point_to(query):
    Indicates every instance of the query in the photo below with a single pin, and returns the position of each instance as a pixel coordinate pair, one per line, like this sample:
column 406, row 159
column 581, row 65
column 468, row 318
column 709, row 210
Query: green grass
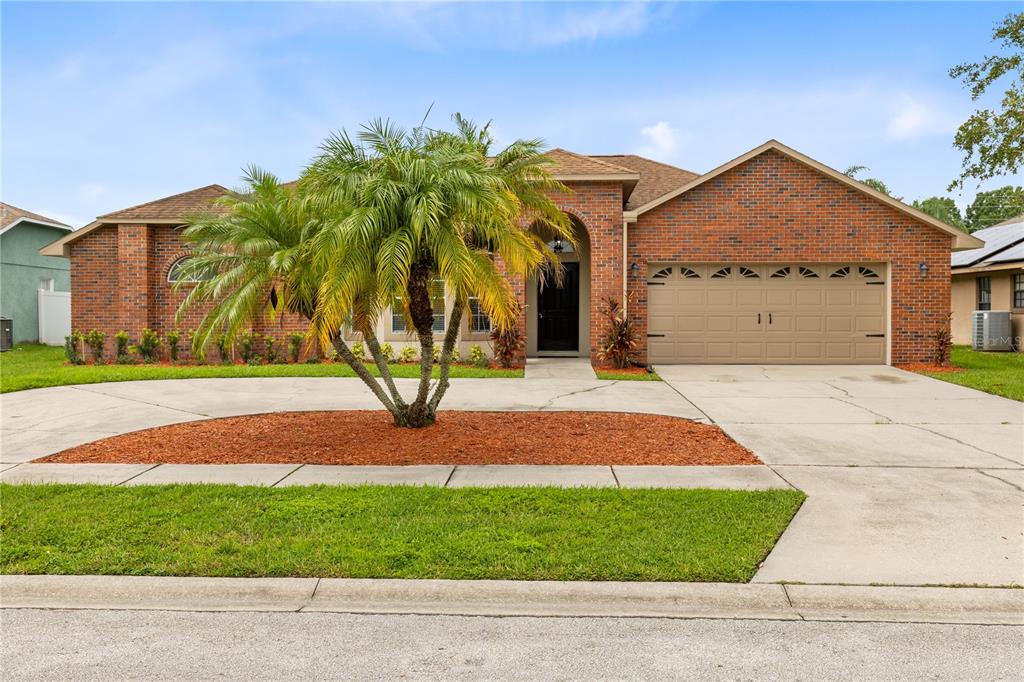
column 611, row 374
column 32, row 366
column 997, row 373
column 391, row 531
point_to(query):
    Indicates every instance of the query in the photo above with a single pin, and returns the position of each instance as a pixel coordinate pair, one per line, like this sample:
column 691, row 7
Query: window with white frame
column 479, row 321
column 437, row 303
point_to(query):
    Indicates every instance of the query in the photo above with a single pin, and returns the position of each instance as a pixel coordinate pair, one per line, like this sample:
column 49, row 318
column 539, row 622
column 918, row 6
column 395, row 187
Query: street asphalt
column 164, row 645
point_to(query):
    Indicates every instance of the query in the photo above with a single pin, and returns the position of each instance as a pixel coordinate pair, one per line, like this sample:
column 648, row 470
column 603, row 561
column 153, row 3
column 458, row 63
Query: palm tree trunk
column 450, row 338
column 382, row 366
column 346, row 354
column 421, row 311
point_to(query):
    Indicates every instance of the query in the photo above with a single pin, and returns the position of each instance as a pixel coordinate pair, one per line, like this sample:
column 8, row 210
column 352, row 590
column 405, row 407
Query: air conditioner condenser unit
column 991, row 330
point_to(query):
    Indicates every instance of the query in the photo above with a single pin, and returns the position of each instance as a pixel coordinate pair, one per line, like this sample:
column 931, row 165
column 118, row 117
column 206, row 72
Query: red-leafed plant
column 619, row 338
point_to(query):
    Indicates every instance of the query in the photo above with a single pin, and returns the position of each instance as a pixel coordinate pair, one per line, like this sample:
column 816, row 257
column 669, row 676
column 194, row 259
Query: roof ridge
column 660, row 163
column 169, row 196
column 612, row 166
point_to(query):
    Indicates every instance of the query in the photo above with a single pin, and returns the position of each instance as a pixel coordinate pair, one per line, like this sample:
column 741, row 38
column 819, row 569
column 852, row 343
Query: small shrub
column 508, row 346
column 478, row 357
column 294, row 346
column 359, row 351
column 942, row 342
column 254, row 360
column 388, row 353
column 223, row 348
column 619, row 338
column 199, row 356
column 272, row 350
column 72, row 347
column 96, row 339
column 245, row 351
column 149, row 346
column 313, row 360
column 173, row 340
column 121, row 347
column 437, row 353
column 408, row 354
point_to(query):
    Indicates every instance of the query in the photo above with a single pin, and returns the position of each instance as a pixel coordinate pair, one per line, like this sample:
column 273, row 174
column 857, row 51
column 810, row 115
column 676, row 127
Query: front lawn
column 392, row 532
column 998, row 373
column 32, row 366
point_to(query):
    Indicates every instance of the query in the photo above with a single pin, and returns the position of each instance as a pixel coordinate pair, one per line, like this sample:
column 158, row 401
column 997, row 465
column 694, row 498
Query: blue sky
column 108, row 105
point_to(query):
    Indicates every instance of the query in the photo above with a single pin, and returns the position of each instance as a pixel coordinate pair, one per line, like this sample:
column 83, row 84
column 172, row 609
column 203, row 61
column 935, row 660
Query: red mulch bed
column 369, row 437
column 924, row 367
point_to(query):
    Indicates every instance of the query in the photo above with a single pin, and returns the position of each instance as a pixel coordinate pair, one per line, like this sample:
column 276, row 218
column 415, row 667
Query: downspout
column 625, row 266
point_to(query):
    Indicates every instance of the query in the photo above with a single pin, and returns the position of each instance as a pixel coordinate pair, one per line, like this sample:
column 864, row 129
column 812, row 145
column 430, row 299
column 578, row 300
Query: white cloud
column 663, row 140
column 912, row 118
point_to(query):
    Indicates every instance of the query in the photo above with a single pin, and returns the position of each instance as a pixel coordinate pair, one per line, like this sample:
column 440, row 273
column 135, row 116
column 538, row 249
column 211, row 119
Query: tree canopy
column 992, row 139
column 995, row 206
column 941, row 208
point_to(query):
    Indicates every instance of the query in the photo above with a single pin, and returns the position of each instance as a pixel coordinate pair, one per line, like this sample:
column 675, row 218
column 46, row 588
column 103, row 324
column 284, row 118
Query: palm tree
column 376, row 221
column 250, row 259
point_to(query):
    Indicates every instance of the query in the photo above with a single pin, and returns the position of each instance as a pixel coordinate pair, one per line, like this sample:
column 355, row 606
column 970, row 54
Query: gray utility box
column 990, row 330
column 6, row 333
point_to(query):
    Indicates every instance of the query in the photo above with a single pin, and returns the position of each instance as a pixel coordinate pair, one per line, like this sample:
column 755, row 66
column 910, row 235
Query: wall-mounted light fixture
column 634, row 267
column 558, row 246
column 923, row 267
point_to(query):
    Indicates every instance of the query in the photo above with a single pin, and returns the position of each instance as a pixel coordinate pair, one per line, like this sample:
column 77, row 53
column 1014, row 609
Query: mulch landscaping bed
column 938, row 369
column 369, row 437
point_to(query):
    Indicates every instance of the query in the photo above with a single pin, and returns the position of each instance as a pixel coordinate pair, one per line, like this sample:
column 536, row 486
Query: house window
column 984, row 293
column 479, row 321
column 1018, row 291
column 781, row 273
column 807, row 273
column 747, row 273
column 722, row 273
column 176, row 272
column 437, row 302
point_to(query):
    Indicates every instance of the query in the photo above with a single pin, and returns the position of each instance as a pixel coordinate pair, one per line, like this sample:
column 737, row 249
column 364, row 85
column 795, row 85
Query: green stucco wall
column 22, row 269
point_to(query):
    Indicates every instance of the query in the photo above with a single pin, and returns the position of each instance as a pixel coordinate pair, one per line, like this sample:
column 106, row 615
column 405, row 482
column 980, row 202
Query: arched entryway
column 558, row 316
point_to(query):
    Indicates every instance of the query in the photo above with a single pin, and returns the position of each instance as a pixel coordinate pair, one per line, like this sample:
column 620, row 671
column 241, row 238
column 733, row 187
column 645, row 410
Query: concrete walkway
column 911, row 481
column 560, row 368
column 519, row 598
column 281, row 475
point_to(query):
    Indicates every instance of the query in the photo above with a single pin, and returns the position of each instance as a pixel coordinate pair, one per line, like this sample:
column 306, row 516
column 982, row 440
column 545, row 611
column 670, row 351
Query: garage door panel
column 781, row 315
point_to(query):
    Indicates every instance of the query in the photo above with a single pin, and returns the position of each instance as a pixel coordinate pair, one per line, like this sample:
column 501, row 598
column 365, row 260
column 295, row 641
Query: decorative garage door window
column 664, row 273
column 796, row 313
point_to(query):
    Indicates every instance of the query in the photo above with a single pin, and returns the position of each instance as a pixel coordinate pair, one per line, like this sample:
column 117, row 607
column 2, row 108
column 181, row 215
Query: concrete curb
column 986, row 606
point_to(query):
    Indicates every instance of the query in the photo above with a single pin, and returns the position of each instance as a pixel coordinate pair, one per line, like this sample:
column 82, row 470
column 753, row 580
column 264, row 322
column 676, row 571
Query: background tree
column 873, row 183
column 992, row 140
column 941, row 208
column 995, row 206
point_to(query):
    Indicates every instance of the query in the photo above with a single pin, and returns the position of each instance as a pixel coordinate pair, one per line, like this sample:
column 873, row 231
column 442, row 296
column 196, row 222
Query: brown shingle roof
column 656, row 178
column 12, row 214
column 173, row 207
column 570, row 163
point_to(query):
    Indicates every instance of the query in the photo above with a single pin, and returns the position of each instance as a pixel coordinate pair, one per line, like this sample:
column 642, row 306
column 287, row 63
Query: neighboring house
column 24, row 271
column 990, row 278
column 770, row 258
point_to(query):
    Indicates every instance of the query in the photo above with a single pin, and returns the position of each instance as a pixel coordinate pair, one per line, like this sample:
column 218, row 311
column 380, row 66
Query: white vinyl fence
column 54, row 316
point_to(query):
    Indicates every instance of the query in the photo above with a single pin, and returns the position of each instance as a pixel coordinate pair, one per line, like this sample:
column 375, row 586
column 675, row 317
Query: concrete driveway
column 909, row 480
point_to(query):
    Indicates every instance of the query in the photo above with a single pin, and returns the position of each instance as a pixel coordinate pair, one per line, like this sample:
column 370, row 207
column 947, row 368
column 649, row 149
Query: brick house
column 770, row 258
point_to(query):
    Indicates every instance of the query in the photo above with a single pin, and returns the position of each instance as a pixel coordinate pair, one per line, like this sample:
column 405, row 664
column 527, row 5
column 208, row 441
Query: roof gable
column 656, row 178
column 173, row 207
column 961, row 240
column 11, row 216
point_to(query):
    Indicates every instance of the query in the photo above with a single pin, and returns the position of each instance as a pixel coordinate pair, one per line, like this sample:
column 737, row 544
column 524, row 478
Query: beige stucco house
column 990, row 278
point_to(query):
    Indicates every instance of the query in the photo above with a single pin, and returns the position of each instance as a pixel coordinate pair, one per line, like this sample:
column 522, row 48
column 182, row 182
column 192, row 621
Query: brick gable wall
column 774, row 209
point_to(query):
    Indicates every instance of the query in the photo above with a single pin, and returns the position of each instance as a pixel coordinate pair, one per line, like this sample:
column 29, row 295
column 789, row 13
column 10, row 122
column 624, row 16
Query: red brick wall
column 598, row 206
column 94, row 273
column 119, row 282
column 774, row 209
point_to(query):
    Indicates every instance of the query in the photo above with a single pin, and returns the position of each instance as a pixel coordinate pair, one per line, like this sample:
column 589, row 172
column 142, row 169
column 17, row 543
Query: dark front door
column 558, row 312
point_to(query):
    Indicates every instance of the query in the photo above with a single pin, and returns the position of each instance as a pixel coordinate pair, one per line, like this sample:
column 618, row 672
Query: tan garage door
column 737, row 313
